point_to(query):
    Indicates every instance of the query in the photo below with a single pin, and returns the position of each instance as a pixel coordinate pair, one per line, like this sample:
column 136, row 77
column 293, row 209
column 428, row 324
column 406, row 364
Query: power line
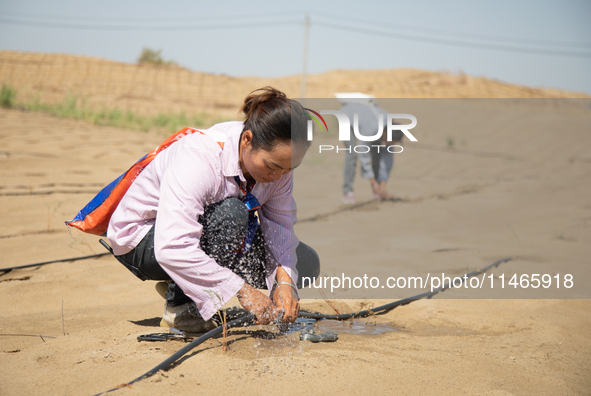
column 451, row 42
column 248, row 25
column 150, row 19
column 511, row 40
column 256, row 24
column 297, row 13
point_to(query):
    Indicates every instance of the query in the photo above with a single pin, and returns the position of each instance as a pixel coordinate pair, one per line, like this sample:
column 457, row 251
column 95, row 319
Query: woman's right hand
column 257, row 303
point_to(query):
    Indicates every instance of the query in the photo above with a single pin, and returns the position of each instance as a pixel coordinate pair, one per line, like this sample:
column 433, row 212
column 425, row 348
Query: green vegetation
column 7, row 96
column 152, row 57
column 450, row 141
column 74, row 108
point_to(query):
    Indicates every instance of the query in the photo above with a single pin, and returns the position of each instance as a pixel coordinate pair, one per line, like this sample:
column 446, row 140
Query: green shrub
column 152, row 57
column 7, row 96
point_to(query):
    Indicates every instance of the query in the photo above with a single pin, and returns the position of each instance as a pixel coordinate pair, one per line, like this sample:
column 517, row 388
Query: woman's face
column 268, row 166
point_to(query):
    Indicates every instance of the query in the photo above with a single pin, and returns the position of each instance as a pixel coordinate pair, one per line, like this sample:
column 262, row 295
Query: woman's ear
column 246, row 140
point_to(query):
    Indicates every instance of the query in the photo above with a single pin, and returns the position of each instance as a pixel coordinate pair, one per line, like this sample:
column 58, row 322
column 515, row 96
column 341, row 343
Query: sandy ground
column 522, row 191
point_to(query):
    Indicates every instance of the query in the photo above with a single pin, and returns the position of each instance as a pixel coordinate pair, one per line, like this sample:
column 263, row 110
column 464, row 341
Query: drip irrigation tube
column 244, row 320
column 52, row 262
column 184, row 350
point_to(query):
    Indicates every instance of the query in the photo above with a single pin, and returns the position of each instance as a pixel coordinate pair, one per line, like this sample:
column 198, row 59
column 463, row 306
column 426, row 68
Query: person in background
column 383, row 161
column 368, row 111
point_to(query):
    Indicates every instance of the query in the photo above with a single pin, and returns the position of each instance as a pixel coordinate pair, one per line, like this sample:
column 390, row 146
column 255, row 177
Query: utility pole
column 305, row 66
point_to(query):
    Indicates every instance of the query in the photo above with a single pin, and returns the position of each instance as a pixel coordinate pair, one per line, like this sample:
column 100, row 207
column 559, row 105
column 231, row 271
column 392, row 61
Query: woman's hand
column 285, row 297
column 257, row 303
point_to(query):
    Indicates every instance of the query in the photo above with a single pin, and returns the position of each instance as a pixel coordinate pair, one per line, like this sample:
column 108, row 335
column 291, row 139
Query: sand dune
column 150, row 90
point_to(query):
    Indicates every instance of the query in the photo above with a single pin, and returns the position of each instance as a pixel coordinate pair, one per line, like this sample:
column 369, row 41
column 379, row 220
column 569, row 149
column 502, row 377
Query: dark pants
column 224, row 227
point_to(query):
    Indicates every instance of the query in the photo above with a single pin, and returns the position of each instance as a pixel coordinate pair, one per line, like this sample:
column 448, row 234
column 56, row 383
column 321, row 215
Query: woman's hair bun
column 273, row 118
column 260, row 96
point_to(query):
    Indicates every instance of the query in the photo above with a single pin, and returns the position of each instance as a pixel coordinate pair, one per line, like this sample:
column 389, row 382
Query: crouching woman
column 213, row 214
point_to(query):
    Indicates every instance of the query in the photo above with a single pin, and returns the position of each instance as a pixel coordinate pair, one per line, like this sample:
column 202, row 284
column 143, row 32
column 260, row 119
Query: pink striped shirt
column 174, row 189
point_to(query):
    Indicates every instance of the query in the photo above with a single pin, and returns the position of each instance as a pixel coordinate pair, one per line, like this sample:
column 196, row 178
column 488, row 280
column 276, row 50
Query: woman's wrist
column 287, row 284
column 282, row 275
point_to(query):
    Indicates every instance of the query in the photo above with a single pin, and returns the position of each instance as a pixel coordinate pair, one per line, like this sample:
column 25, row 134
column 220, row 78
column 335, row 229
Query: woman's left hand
column 285, row 297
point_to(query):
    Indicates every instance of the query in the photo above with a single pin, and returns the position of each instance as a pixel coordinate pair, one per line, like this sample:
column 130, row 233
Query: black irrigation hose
column 241, row 321
column 52, row 262
column 178, row 354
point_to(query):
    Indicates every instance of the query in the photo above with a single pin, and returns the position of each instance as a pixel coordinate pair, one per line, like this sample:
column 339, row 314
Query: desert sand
column 516, row 186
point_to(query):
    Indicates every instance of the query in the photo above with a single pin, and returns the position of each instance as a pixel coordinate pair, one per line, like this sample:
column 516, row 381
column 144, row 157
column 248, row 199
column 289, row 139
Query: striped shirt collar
column 230, row 155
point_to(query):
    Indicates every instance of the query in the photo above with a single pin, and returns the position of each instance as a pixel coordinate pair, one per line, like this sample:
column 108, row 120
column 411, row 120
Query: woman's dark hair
column 273, row 118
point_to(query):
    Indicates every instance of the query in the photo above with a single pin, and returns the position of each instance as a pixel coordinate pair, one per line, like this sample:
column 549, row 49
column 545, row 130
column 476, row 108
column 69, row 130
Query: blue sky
column 531, row 42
